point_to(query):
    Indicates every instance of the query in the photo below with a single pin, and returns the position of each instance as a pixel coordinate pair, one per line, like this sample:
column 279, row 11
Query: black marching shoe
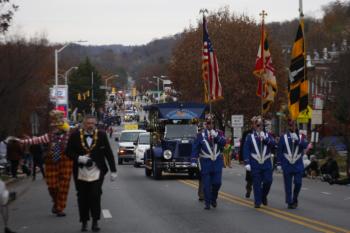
column 200, row 199
column 247, row 194
column 94, row 226
column 264, row 201
column 291, row 206
column 207, row 207
column 61, row 214
column 256, row 206
column 84, row 226
column 214, row 204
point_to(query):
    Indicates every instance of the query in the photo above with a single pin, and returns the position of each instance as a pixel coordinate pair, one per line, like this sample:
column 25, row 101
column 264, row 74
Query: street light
column 159, row 78
column 67, row 72
column 110, row 77
column 57, row 51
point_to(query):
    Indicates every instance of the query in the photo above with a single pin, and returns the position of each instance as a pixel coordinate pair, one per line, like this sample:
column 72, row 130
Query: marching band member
column 257, row 160
column 290, row 160
column 207, row 147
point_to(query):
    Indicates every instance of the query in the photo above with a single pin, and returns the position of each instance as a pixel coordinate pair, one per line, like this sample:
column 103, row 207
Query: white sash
column 212, row 155
column 292, row 158
column 260, row 158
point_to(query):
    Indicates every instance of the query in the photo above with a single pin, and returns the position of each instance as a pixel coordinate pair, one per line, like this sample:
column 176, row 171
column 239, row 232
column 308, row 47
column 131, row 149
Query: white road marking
column 239, row 174
column 326, row 193
column 346, row 199
column 106, row 213
column 304, row 188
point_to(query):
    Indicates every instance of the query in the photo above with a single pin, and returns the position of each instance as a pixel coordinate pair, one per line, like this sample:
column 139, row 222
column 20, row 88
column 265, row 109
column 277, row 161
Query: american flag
column 210, row 69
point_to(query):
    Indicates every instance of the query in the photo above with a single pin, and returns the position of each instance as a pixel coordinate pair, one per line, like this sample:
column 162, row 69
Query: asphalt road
column 137, row 204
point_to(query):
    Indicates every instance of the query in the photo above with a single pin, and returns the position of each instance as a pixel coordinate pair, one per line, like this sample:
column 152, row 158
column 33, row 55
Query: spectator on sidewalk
column 14, row 155
column 37, row 154
column 228, row 153
column 330, row 169
column 3, row 150
column 313, row 169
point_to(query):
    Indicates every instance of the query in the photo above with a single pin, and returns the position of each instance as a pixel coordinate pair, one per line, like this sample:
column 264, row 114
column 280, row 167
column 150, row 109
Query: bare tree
column 236, row 41
column 6, row 14
column 26, row 69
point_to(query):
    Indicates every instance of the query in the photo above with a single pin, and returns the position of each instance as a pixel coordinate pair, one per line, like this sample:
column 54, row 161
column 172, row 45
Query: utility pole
column 92, row 93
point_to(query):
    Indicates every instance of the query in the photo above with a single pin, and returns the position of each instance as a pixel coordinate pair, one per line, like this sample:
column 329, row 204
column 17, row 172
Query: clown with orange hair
column 58, row 167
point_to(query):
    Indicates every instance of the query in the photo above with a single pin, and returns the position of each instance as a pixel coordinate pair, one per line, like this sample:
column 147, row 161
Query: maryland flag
column 267, row 86
column 297, row 82
column 210, row 69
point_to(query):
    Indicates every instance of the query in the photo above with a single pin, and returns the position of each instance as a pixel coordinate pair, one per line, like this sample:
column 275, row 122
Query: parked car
column 126, row 144
column 143, row 144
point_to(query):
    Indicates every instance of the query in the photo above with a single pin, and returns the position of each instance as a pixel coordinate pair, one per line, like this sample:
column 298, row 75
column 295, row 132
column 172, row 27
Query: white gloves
column 114, row 176
column 263, row 135
column 248, row 168
column 193, row 165
column 294, row 137
column 213, row 133
column 279, row 168
column 83, row 159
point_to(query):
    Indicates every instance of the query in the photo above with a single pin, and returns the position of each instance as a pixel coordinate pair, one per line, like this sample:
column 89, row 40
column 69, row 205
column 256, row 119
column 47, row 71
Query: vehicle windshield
column 144, row 139
column 180, row 131
column 129, row 136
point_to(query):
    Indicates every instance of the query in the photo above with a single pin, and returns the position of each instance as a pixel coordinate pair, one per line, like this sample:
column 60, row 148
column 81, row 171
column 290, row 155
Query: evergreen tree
column 82, row 89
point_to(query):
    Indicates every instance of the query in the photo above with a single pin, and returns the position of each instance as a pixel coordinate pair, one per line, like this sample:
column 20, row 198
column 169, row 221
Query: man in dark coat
column 89, row 148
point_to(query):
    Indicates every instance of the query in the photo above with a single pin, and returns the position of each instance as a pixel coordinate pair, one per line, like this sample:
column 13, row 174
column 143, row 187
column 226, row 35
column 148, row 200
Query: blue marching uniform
column 257, row 154
column 211, row 162
column 290, row 157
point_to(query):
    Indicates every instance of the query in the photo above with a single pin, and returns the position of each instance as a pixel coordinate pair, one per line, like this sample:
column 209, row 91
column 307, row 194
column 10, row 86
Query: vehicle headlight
column 167, row 154
column 121, row 150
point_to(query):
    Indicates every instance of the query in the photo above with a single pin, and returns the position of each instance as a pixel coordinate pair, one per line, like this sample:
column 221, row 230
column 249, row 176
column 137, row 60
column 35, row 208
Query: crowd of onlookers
column 16, row 158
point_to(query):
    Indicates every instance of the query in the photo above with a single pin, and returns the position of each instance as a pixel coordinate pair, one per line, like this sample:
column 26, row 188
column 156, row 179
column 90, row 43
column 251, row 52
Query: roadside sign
column 237, row 121
column 316, row 117
column 305, row 115
column 59, row 93
column 237, row 132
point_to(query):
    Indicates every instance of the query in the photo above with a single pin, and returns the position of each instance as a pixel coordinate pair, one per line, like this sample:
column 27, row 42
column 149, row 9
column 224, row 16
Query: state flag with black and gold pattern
column 298, row 89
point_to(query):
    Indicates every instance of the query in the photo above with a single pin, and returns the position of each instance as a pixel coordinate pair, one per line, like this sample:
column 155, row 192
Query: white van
column 127, row 141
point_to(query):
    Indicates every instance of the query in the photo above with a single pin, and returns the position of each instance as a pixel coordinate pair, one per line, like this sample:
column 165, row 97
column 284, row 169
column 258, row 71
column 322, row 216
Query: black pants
column 40, row 165
column 14, row 167
column 89, row 199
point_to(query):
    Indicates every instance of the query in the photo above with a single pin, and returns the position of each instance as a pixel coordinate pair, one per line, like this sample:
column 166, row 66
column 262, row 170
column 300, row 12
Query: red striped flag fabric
column 210, row 69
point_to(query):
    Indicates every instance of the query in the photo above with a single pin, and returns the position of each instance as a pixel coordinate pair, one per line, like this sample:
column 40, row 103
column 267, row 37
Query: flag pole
column 203, row 12
column 262, row 42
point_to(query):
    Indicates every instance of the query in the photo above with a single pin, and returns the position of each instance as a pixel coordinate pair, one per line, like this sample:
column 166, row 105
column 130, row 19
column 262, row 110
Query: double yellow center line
column 290, row 217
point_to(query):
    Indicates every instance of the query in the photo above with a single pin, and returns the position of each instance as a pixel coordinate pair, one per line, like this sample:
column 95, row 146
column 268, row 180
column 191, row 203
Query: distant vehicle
column 143, row 144
column 173, row 134
column 130, row 115
column 126, row 145
column 111, row 97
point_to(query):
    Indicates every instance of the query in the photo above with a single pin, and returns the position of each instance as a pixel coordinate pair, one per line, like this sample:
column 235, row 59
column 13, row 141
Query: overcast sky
column 135, row 22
